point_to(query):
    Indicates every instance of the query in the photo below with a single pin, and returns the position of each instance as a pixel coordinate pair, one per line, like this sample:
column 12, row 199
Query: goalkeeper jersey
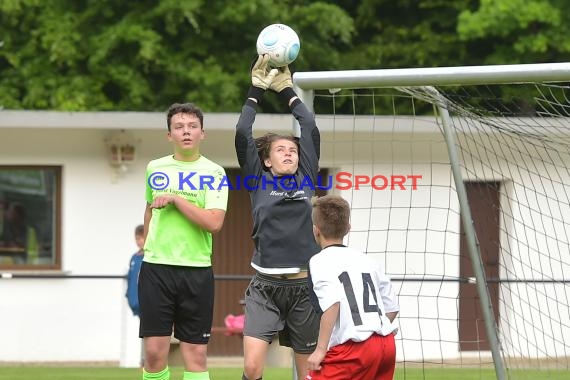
column 172, row 239
column 358, row 283
column 281, row 206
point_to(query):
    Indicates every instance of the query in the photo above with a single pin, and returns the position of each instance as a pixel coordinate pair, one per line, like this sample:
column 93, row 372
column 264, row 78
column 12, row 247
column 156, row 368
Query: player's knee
column 155, row 358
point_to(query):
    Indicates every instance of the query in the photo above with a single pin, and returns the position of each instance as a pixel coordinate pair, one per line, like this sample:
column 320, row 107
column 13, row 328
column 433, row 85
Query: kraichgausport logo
column 340, row 181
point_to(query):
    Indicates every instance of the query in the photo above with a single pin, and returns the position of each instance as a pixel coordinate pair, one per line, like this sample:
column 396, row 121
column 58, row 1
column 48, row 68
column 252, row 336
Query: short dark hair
column 331, row 213
column 139, row 230
column 264, row 142
column 189, row 108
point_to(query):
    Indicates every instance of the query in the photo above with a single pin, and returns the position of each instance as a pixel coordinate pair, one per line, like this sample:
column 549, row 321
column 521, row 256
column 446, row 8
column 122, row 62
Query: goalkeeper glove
column 282, row 80
column 260, row 76
column 283, row 85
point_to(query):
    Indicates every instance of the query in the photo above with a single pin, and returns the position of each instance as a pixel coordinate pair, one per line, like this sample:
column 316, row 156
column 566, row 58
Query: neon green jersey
column 172, row 239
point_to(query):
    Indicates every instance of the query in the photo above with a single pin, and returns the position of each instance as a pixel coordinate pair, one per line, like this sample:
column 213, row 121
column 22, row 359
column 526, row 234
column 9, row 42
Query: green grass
column 477, row 374
column 100, row 373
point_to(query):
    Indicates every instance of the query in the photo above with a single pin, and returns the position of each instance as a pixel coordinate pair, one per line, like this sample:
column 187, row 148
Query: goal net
column 403, row 149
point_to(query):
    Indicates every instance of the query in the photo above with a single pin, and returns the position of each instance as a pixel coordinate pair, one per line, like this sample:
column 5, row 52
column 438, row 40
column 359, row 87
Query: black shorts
column 176, row 296
column 274, row 305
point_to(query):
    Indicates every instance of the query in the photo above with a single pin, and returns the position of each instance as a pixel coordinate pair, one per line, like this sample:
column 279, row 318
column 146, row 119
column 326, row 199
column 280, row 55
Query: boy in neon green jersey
column 185, row 205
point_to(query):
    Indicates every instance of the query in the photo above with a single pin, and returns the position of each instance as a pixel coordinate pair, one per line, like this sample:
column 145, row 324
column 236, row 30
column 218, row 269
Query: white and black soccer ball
column 280, row 42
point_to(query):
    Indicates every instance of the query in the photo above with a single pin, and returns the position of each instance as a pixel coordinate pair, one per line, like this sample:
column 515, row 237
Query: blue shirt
column 132, row 282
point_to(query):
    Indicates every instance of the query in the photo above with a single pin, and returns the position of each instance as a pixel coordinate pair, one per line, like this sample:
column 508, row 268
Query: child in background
column 134, row 269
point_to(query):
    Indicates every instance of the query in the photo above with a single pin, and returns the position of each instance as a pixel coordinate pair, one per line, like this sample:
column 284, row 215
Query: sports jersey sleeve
column 217, row 195
column 310, row 140
column 246, row 150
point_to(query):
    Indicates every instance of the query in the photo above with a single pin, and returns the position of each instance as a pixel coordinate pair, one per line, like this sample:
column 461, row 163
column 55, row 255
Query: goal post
column 473, row 247
column 486, row 142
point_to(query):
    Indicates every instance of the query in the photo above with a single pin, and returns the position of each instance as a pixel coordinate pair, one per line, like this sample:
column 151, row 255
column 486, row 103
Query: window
column 30, row 199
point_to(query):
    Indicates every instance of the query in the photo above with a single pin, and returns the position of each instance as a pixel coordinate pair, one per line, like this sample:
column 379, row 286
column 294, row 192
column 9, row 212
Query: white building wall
column 536, row 243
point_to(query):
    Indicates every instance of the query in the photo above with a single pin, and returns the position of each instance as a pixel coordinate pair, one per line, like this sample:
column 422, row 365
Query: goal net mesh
column 384, row 150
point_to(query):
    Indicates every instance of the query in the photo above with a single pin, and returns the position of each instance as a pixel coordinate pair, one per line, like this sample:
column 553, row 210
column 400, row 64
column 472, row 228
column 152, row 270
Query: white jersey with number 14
column 350, row 277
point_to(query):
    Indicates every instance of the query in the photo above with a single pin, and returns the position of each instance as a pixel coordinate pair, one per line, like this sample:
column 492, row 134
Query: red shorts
column 373, row 359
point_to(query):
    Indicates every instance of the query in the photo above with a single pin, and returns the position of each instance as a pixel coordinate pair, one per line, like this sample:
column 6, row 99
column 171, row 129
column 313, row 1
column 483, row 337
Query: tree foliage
column 518, row 31
column 144, row 55
column 140, row 55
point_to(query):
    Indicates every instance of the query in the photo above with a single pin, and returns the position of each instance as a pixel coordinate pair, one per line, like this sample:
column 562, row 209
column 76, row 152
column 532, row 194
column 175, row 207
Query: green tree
column 442, row 33
column 144, row 55
column 518, row 31
column 403, row 34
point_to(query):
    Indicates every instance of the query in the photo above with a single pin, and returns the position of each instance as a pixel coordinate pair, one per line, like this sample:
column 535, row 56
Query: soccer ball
column 280, row 42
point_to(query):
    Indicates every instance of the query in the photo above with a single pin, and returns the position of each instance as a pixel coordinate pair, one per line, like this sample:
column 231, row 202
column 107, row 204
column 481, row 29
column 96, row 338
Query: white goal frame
column 307, row 82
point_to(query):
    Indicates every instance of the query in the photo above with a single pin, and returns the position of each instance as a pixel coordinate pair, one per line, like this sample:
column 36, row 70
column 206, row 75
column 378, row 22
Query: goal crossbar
column 464, row 75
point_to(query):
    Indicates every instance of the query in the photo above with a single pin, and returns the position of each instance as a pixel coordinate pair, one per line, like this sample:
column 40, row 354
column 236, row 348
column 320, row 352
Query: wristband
column 256, row 93
column 294, row 103
column 251, row 103
column 286, row 94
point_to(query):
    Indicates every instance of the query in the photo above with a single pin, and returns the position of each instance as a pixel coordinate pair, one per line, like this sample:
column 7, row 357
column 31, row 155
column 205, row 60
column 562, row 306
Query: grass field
column 99, row 373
